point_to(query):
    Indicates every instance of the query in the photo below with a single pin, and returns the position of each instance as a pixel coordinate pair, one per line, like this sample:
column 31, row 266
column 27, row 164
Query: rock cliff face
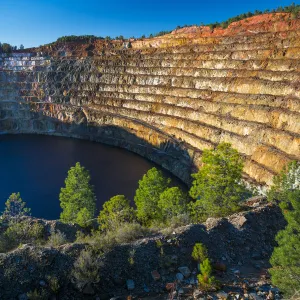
column 169, row 97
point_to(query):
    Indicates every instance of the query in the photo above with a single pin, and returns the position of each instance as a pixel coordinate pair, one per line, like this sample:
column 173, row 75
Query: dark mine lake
column 36, row 166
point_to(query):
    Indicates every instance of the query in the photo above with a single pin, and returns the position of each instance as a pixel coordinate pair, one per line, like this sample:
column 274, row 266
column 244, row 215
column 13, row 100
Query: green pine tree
column 217, row 186
column 199, row 253
column 77, row 198
column 172, row 202
column 147, row 195
column 286, row 183
column 116, row 212
column 205, row 279
column 285, row 259
column 15, row 206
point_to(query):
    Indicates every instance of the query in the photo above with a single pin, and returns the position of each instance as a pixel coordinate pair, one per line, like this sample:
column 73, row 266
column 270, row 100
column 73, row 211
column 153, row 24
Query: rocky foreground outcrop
column 239, row 246
column 169, row 97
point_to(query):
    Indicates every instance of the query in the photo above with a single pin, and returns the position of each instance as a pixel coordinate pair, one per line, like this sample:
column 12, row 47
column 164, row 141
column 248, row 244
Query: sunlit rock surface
column 169, row 97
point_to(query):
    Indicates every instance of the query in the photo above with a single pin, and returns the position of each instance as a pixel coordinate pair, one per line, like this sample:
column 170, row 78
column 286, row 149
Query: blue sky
column 36, row 22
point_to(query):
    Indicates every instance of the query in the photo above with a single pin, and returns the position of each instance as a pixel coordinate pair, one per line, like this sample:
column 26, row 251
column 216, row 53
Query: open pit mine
column 169, row 97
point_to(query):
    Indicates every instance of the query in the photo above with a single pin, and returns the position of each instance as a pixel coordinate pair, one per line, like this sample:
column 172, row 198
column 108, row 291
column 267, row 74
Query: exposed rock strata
column 170, row 97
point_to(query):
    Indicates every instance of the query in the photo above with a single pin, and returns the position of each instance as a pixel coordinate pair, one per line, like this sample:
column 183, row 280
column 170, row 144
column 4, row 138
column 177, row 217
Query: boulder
column 42, row 283
column 155, row 275
column 23, row 297
column 185, row 271
column 255, row 201
column 222, row 295
column 130, row 284
column 220, row 266
column 254, row 296
column 88, row 289
column 170, row 286
column 179, row 277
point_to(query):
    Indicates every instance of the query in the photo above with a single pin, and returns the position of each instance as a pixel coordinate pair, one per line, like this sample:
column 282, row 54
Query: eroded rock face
column 170, row 97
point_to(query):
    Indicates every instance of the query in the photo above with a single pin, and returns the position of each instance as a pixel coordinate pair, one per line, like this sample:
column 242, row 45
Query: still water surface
column 36, row 166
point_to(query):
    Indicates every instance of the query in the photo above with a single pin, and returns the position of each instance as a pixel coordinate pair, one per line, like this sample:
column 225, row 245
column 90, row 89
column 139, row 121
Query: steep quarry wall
column 170, row 97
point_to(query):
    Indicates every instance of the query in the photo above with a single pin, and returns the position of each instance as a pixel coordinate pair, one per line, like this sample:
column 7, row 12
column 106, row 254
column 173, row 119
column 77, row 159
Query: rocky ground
column 239, row 247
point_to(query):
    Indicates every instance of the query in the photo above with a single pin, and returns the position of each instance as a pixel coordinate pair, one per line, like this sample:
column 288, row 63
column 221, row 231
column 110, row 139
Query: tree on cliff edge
column 15, row 207
column 77, row 198
column 147, row 195
column 217, row 186
column 172, row 202
column 285, row 259
column 115, row 213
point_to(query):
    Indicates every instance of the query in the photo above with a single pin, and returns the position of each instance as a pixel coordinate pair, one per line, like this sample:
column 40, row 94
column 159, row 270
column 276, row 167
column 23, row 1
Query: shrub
column 77, row 198
column 37, row 295
column 57, row 238
column 147, row 195
column 179, row 220
column 130, row 232
column 285, row 271
column 199, row 253
column 53, row 284
column 81, row 237
column 21, row 232
column 26, row 231
column 160, row 246
column 100, row 242
column 5, row 245
column 115, row 212
column 217, row 186
column 103, row 242
column 131, row 255
column 168, row 227
column 86, row 269
column 205, row 279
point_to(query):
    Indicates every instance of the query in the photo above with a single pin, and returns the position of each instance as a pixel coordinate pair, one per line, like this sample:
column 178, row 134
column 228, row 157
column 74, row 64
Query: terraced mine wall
column 170, row 97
